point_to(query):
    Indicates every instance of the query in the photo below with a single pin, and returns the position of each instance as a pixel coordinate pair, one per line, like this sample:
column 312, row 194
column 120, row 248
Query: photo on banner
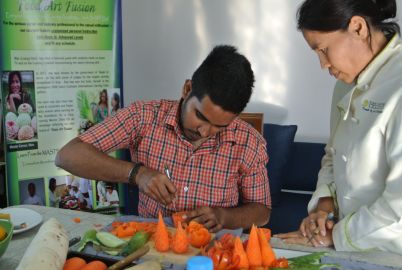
column 60, row 64
column 19, row 110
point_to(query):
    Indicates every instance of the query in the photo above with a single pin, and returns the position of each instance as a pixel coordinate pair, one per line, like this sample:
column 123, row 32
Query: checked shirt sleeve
column 116, row 132
column 254, row 184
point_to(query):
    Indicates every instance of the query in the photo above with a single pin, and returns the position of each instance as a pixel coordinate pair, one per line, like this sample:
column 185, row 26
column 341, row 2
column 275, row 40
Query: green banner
column 61, row 68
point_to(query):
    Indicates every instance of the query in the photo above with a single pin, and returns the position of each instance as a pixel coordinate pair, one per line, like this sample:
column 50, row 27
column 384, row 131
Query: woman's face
column 15, row 84
column 344, row 53
column 113, row 102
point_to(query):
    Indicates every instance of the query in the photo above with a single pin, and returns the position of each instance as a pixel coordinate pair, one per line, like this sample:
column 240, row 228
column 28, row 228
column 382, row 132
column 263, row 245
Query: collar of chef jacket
column 368, row 74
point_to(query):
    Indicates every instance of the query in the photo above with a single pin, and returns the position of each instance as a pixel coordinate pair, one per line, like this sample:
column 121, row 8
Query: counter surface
column 20, row 242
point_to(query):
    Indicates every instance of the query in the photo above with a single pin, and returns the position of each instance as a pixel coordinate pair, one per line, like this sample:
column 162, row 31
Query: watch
column 133, row 172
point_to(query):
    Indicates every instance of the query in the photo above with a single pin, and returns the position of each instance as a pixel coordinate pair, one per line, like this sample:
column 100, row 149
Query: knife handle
column 127, row 260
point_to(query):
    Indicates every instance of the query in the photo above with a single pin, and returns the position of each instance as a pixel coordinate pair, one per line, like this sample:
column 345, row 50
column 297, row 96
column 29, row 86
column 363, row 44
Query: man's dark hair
column 226, row 77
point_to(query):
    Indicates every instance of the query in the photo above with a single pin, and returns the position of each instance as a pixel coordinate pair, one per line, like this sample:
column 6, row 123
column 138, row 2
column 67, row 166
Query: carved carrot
column 267, row 253
column 238, row 252
column 161, row 236
column 179, row 240
column 253, row 249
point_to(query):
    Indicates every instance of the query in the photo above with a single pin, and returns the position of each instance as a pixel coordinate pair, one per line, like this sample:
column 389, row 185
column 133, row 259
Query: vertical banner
column 61, row 66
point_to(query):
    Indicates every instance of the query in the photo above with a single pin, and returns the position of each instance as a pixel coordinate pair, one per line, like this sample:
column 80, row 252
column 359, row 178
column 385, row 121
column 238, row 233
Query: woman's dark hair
column 11, row 76
column 100, row 97
column 333, row 15
column 226, row 78
column 116, row 97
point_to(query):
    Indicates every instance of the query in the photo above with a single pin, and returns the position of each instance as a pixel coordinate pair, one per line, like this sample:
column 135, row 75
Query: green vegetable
column 309, row 262
column 108, row 250
column 89, row 237
column 109, row 240
column 136, row 241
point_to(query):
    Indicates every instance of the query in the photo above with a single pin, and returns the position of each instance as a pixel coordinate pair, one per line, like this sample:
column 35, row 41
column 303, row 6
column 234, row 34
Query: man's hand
column 156, row 185
column 211, row 218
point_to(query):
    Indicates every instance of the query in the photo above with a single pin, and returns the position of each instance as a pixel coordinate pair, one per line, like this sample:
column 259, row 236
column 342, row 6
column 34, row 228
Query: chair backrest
column 254, row 119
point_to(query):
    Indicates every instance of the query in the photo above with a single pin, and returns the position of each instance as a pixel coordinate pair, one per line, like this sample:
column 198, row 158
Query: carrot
column 179, row 217
column 200, row 237
column 161, row 236
column 238, row 252
column 77, row 220
column 95, row 265
column 267, row 253
column 253, row 249
column 180, row 240
column 74, row 263
column 267, row 233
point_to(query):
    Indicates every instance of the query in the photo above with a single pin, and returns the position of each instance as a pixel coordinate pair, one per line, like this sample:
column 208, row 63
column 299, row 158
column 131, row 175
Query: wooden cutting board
column 170, row 256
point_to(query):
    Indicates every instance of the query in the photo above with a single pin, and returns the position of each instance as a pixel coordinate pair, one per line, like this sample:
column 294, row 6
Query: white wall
column 164, row 41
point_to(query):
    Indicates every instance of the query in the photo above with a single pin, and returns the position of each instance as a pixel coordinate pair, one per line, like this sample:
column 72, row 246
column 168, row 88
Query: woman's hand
column 211, row 218
column 156, row 185
column 15, row 95
column 315, row 230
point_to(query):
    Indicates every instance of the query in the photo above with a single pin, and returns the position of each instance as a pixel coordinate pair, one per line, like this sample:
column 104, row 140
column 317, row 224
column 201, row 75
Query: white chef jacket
column 362, row 166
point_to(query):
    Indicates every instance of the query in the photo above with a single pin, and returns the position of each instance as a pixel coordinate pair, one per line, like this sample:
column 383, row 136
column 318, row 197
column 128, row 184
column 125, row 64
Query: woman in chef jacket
column 360, row 182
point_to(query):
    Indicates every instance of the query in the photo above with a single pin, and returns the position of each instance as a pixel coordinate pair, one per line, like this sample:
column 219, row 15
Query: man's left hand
column 211, row 218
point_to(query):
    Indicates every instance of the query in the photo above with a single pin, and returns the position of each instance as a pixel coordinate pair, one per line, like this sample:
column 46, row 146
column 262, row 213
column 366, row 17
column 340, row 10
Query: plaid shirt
column 226, row 166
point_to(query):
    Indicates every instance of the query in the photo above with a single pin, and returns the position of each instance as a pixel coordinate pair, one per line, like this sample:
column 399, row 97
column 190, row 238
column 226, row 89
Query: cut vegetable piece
column 180, row 241
column 161, row 236
column 109, row 240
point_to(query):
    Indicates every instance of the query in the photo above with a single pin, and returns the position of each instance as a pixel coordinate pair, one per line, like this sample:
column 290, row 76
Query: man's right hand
column 156, row 185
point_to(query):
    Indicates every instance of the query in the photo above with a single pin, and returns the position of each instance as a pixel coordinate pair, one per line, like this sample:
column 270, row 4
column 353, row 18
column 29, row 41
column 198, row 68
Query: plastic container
column 199, row 263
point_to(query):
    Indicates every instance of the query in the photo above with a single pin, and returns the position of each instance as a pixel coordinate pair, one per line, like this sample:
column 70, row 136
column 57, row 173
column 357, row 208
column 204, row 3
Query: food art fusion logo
column 372, row 106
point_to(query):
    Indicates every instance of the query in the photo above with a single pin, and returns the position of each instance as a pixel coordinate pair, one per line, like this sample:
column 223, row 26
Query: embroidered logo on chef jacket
column 373, row 106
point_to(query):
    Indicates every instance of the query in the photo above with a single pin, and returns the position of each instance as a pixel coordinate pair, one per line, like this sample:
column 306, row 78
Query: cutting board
column 170, row 256
column 153, row 254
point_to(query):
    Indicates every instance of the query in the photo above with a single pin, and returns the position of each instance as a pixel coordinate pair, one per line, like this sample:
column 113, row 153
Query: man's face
column 201, row 119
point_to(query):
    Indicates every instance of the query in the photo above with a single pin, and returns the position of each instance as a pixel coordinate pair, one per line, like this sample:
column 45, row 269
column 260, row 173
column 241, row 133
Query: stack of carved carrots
column 256, row 253
column 195, row 234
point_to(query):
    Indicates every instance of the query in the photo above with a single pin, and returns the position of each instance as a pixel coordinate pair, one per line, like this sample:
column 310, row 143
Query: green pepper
column 136, row 241
column 89, row 237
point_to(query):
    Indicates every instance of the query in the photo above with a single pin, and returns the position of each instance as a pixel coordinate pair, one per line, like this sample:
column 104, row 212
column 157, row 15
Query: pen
column 330, row 216
column 168, row 174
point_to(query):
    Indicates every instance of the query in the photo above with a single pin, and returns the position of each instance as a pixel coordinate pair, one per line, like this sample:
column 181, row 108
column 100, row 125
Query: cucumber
column 109, row 240
column 89, row 237
column 136, row 241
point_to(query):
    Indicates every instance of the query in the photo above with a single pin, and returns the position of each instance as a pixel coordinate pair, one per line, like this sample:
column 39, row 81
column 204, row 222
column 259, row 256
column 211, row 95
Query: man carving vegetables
column 216, row 162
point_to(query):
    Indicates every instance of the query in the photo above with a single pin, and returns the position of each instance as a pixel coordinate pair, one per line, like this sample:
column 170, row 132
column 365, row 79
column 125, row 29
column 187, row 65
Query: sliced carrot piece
column 267, row 253
column 240, row 253
column 253, row 249
column 77, row 220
